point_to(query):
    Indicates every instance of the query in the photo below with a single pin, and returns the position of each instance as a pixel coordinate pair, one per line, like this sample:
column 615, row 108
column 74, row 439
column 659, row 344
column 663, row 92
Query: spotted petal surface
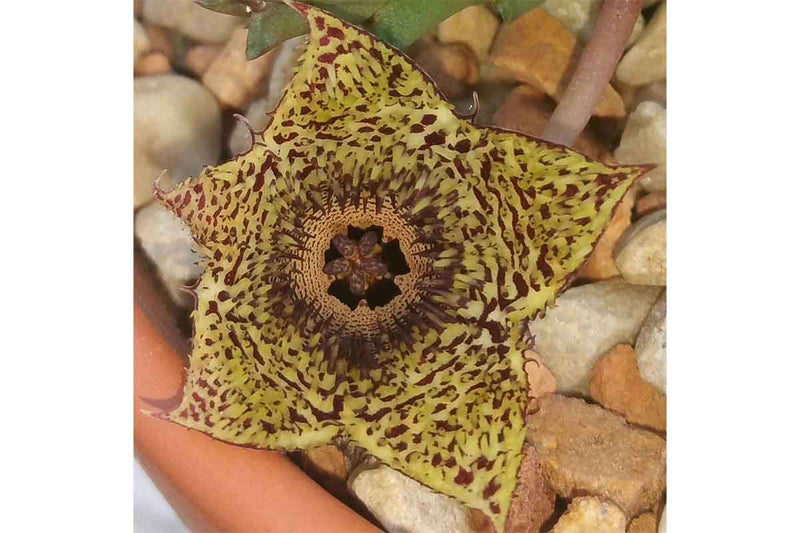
column 493, row 224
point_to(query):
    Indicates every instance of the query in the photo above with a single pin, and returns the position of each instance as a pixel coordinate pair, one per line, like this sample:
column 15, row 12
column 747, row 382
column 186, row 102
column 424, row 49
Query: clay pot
column 212, row 485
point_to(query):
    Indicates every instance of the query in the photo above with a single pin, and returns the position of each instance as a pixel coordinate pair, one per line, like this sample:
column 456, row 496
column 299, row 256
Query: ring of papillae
column 311, row 284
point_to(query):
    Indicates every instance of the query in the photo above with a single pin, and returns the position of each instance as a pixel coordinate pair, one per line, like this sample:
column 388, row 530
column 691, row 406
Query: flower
column 369, row 265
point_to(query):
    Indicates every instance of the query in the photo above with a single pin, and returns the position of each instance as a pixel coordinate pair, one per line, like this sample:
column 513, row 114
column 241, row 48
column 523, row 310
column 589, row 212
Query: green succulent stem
column 402, row 22
column 268, row 28
column 398, row 22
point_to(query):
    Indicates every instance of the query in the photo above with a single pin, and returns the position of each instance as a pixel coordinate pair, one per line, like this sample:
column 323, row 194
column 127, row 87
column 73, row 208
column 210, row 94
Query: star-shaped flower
column 369, row 265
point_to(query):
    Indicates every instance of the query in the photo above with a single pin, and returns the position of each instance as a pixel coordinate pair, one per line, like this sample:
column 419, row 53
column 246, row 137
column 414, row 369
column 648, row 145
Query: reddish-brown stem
column 599, row 59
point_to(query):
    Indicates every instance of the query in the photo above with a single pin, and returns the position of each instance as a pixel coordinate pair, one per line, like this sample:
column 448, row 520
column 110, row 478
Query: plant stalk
column 614, row 25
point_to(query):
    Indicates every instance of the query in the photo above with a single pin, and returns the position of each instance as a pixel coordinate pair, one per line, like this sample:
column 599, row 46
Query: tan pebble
column 628, row 94
column 474, row 27
column 191, row 20
column 233, row 79
column 177, row 127
column 152, row 64
column 541, row 381
column 533, row 502
column 646, row 61
column 328, row 460
column 652, row 92
column 641, row 253
column 402, row 504
column 580, row 16
column 168, row 245
column 645, row 141
column 539, row 50
column 588, row 321
column 480, row 522
column 651, row 345
column 160, row 39
column 644, row 523
column 585, row 449
column 328, row 466
column 600, row 264
column 591, row 515
column 141, row 43
column 617, row 385
column 453, row 67
column 659, row 507
column 198, row 58
column 650, row 203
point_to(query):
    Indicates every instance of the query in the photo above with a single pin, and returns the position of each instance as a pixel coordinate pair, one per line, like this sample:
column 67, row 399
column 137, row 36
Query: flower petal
column 243, row 385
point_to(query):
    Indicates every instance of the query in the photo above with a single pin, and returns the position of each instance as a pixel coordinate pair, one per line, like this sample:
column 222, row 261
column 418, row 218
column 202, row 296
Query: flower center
column 362, row 267
column 364, row 279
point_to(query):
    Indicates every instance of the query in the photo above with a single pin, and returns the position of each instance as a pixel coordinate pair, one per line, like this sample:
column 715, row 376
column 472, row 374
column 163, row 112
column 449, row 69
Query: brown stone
column 402, row 504
column 539, row 50
column 198, row 58
column 328, row 466
column 646, row 61
column 591, row 515
column 617, row 385
column 532, row 505
column 453, row 67
column 644, row 140
column 480, row 522
column 652, row 92
column 541, row 381
column 527, row 109
column 585, row 449
column 137, row 8
column 160, row 39
column 152, row 64
column 233, row 79
column 600, row 264
column 644, row 523
column 141, row 43
column 650, row 203
column 659, row 507
column 474, row 26
column 641, row 252
column 533, row 502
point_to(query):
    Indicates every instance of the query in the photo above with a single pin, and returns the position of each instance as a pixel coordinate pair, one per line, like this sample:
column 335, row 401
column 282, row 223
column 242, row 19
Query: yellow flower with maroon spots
column 369, row 265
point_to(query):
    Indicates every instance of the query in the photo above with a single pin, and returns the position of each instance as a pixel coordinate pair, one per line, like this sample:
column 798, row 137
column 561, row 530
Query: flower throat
column 362, row 267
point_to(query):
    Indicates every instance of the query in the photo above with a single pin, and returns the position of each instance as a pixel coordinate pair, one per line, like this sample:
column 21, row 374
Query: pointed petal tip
column 473, row 111
column 191, row 290
column 158, row 193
